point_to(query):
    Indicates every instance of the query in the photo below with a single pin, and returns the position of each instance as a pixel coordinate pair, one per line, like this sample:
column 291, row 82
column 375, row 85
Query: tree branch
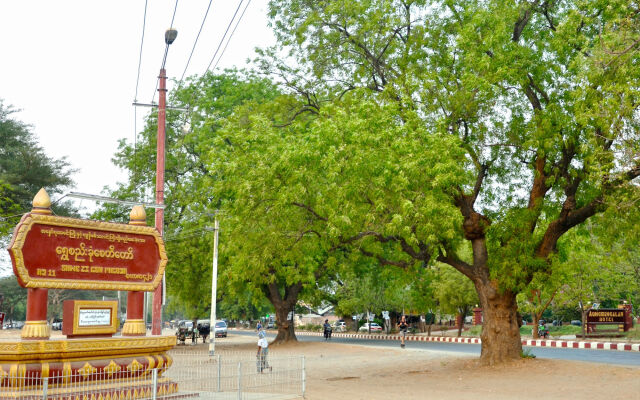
column 522, row 22
column 311, row 210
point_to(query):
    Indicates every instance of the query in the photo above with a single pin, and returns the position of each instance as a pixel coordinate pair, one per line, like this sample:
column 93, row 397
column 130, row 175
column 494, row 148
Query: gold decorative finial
column 41, row 203
column 137, row 216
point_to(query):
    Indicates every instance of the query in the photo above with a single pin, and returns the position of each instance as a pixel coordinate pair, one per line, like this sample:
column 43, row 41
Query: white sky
column 71, row 67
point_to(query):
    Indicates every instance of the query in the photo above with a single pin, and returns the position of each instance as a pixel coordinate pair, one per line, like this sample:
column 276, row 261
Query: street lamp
column 169, row 37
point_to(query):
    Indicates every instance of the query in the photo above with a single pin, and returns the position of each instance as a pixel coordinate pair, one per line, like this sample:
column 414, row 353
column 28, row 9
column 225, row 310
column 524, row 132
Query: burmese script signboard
column 612, row 316
column 89, row 318
column 67, row 253
column 94, row 317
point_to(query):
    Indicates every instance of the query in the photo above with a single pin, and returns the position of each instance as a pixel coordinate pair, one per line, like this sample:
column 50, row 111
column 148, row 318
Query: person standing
column 263, row 352
column 402, row 328
column 327, row 330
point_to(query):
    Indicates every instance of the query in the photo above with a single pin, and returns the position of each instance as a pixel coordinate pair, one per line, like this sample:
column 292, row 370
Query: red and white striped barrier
column 568, row 344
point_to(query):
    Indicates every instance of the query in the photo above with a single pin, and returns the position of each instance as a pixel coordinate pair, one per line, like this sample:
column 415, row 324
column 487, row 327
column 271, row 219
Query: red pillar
column 35, row 327
column 628, row 316
column 134, row 325
column 477, row 316
column 156, row 316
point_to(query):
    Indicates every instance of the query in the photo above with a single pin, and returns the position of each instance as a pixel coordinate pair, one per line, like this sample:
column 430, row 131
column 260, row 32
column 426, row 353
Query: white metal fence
column 192, row 375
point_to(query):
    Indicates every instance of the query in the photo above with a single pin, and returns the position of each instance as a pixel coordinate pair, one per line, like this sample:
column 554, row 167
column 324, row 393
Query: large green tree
column 299, row 190
column 536, row 100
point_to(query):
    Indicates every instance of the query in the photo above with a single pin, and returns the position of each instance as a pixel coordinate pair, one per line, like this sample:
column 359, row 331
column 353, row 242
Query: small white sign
column 385, row 314
column 94, row 317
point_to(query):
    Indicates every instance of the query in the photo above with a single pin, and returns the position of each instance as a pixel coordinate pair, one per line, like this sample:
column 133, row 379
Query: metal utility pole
column 214, row 288
column 169, row 36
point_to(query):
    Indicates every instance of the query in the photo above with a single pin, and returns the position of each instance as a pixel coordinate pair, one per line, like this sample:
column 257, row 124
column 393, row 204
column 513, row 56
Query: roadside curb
column 565, row 344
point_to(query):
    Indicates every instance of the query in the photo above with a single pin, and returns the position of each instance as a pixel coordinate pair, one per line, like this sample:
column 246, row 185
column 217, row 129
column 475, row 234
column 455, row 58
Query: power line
column 225, row 35
column 135, row 97
column 196, row 41
column 193, row 95
column 232, row 32
column 144, row 24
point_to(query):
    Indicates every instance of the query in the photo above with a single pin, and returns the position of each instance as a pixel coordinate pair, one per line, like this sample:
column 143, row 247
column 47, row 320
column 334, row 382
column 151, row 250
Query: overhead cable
column 232, row 32
column 196, row 41
column 135, row 97
column 225, row 35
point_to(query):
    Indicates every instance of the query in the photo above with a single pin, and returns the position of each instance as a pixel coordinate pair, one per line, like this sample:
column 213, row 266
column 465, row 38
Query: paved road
column 629, row 358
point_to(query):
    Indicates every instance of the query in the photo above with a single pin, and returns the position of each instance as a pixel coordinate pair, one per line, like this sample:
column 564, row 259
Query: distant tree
column 14, row 298
column 542, row 291
column 24, row 169
column 455, row 294
column 594, row 278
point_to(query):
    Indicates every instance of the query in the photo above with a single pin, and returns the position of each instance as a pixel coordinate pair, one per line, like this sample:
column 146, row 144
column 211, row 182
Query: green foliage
column 24, row 166
column 474, row 331
column 531, row 110
column 14, row 298
column 454, row 292
column 24, row 169
column 311, row 327
column 188, row 197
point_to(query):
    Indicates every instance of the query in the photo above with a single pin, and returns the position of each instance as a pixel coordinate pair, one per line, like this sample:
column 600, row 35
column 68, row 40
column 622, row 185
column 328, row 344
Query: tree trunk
column 536, row 323
column 500, row 334
column 285, row 326
column 283, row 305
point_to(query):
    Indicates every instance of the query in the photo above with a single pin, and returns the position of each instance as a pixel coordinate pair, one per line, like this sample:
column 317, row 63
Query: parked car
column 576, row 322
column 186, row 324
column 221, row 329
column 14, row 325
column 374, row 327
column 340, row 326
column 56, row 326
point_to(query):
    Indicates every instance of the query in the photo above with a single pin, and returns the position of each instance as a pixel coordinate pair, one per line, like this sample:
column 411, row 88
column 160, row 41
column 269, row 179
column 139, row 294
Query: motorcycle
column 543, row 332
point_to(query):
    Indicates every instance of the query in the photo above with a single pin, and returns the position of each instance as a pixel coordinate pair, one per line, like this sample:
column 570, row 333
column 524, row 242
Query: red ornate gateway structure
column 51, row 252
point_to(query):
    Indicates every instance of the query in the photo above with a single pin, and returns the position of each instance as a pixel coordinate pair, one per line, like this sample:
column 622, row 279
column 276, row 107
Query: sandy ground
column 341, row 371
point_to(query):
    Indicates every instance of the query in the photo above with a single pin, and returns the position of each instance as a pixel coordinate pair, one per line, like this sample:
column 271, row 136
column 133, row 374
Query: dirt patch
column 357, row 372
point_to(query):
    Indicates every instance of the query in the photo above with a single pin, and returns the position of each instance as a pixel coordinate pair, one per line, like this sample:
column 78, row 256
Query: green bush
column 473, row 331
column 634, row 333
column 525, row 330
column 310, row 327
column 565, row 330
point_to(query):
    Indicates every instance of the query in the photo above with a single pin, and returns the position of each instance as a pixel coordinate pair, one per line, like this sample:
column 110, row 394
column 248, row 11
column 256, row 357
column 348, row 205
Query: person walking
column 402, row 328
column 263, row 352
